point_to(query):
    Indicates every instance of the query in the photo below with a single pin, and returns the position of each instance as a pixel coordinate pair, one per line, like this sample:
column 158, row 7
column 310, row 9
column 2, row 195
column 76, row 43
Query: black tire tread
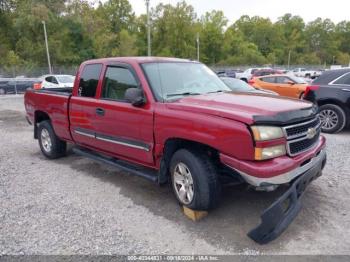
column 208, row 196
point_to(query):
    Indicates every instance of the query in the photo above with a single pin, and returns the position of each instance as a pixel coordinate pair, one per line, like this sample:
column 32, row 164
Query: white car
column 302, row 72
column 57, row 81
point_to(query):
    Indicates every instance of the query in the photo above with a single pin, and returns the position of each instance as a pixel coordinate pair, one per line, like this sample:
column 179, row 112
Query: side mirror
column 290, row 83
column 134, row 96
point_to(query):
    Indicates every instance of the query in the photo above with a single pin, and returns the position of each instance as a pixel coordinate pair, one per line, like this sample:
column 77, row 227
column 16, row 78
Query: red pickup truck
column 173, row 120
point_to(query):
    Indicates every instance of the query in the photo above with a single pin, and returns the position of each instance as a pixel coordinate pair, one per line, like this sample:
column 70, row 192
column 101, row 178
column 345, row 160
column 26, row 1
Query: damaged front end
column 281, row 213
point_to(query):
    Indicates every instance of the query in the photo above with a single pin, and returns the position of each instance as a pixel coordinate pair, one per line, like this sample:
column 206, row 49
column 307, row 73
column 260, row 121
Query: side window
column 344, row 80
column 89, row 80
column 48, row 79
column 117, row 81
column 268, row 79
column 282, row 80
column 54, row 80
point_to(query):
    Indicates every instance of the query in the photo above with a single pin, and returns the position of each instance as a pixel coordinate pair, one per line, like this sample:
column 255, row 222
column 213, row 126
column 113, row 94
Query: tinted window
column 282, row 80
column 329, row 76
column 117, row 80
column 268, row 79
column 48, row 79
column 89, row 80
column 54, row 80
column 344, row 80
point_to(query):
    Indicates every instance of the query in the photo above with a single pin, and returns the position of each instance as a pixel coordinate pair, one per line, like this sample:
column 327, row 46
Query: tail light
column 310, row 88
column 37, row 86
column 251, row 82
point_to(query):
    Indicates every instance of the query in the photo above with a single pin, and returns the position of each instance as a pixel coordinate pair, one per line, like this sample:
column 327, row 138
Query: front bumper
column 285, row 177
column 281, row 213
column 278, row 170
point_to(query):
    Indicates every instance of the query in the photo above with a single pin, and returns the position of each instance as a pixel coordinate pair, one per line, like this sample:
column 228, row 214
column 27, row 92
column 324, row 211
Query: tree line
column 79, row 30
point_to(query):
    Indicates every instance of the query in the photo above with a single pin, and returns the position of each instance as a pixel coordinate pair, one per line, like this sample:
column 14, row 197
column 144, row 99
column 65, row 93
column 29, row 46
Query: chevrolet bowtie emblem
column 311, row 132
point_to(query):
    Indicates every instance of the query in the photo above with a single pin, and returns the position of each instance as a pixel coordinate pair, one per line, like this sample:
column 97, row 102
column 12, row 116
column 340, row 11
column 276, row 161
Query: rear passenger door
column 122, row 129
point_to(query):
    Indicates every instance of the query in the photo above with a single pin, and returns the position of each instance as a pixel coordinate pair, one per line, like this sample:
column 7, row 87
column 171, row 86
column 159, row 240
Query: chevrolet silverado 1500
column 173, row 120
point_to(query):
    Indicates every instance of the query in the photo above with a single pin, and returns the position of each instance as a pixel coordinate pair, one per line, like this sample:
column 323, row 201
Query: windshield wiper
column 183, row 94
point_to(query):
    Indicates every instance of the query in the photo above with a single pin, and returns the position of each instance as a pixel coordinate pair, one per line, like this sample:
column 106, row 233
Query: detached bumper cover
column 281, row 213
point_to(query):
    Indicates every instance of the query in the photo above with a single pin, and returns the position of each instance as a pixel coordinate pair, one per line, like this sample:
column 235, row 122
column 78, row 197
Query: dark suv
column 331, row 91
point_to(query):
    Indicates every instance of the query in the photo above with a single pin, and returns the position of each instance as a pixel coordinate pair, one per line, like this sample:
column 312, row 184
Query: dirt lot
column 74, row 205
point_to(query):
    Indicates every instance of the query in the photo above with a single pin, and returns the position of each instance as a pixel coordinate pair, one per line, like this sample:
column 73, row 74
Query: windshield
column 237, row 85
column 65, row 79
column 173, row 80
column 297, row 80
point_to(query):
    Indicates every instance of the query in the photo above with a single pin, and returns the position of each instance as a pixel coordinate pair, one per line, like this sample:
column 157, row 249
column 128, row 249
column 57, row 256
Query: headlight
column 270, row 152
column 262, row 133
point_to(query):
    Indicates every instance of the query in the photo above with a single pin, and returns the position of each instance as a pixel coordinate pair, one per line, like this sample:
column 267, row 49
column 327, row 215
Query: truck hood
column 247, row 108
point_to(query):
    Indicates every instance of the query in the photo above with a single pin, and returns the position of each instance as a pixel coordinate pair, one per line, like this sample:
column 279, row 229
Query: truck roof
column 138, row 59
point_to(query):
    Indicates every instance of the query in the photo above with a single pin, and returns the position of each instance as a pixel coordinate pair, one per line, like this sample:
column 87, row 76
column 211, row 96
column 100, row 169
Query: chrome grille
column 303, row 136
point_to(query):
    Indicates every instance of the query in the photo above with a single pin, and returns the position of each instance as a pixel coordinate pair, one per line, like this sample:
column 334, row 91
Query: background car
column 15, row 85
column 226, row 73
column 264, row 72
column 57, row 81
column 302, row 72
column 331, row 91
column 237, row 85
column 248, row 73
column 284, row 85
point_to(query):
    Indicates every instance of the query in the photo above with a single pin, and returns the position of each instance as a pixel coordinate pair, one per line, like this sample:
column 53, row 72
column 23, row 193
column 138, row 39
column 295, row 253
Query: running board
column 123, row 165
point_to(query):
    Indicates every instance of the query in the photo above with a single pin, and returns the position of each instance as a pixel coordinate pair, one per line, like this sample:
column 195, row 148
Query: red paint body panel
column 56, row 106
column 220, row 121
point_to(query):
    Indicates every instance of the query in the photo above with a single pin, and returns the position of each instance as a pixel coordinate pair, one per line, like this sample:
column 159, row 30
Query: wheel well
column 174, row 144
column 39, row 116
column 334, row 102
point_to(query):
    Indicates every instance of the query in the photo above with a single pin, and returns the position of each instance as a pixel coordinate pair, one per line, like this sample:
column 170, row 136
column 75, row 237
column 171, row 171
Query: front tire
column 194, row 180
column 333, row 118
column 51, row 146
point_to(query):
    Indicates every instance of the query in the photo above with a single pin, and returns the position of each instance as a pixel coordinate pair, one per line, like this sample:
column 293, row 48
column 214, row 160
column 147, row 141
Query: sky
column 336, row 10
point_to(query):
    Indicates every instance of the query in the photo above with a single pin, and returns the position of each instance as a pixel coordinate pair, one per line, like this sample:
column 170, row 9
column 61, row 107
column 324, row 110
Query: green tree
column 212, row 36
column 174, row 30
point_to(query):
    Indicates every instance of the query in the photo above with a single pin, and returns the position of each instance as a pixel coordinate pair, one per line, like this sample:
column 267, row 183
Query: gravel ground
column 76, row 206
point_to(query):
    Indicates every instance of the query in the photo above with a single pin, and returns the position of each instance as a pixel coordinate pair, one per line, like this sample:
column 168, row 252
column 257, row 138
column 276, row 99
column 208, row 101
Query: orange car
column 284, row 85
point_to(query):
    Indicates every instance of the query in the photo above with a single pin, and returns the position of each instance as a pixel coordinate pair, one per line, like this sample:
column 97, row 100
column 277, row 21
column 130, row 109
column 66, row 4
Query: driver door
column 122, row 129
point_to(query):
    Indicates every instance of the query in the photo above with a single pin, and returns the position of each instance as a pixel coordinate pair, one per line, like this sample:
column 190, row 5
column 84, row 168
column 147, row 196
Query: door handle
column 100, row 111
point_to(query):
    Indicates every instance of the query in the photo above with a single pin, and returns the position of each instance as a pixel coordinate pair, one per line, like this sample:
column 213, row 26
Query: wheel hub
column 183, row 183
column 329, row 119
column 46, row 140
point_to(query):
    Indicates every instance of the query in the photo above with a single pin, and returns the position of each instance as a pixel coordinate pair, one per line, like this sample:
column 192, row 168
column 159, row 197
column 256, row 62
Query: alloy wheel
column 183, row 183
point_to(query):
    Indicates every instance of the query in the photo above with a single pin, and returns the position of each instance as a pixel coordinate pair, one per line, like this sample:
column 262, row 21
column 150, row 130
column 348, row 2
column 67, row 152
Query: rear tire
column 197, row 168
column 333, row 118
column 51, row 146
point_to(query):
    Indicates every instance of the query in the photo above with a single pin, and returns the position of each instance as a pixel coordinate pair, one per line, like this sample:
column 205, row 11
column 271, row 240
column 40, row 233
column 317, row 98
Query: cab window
column 89, row 80
column 117, row 80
